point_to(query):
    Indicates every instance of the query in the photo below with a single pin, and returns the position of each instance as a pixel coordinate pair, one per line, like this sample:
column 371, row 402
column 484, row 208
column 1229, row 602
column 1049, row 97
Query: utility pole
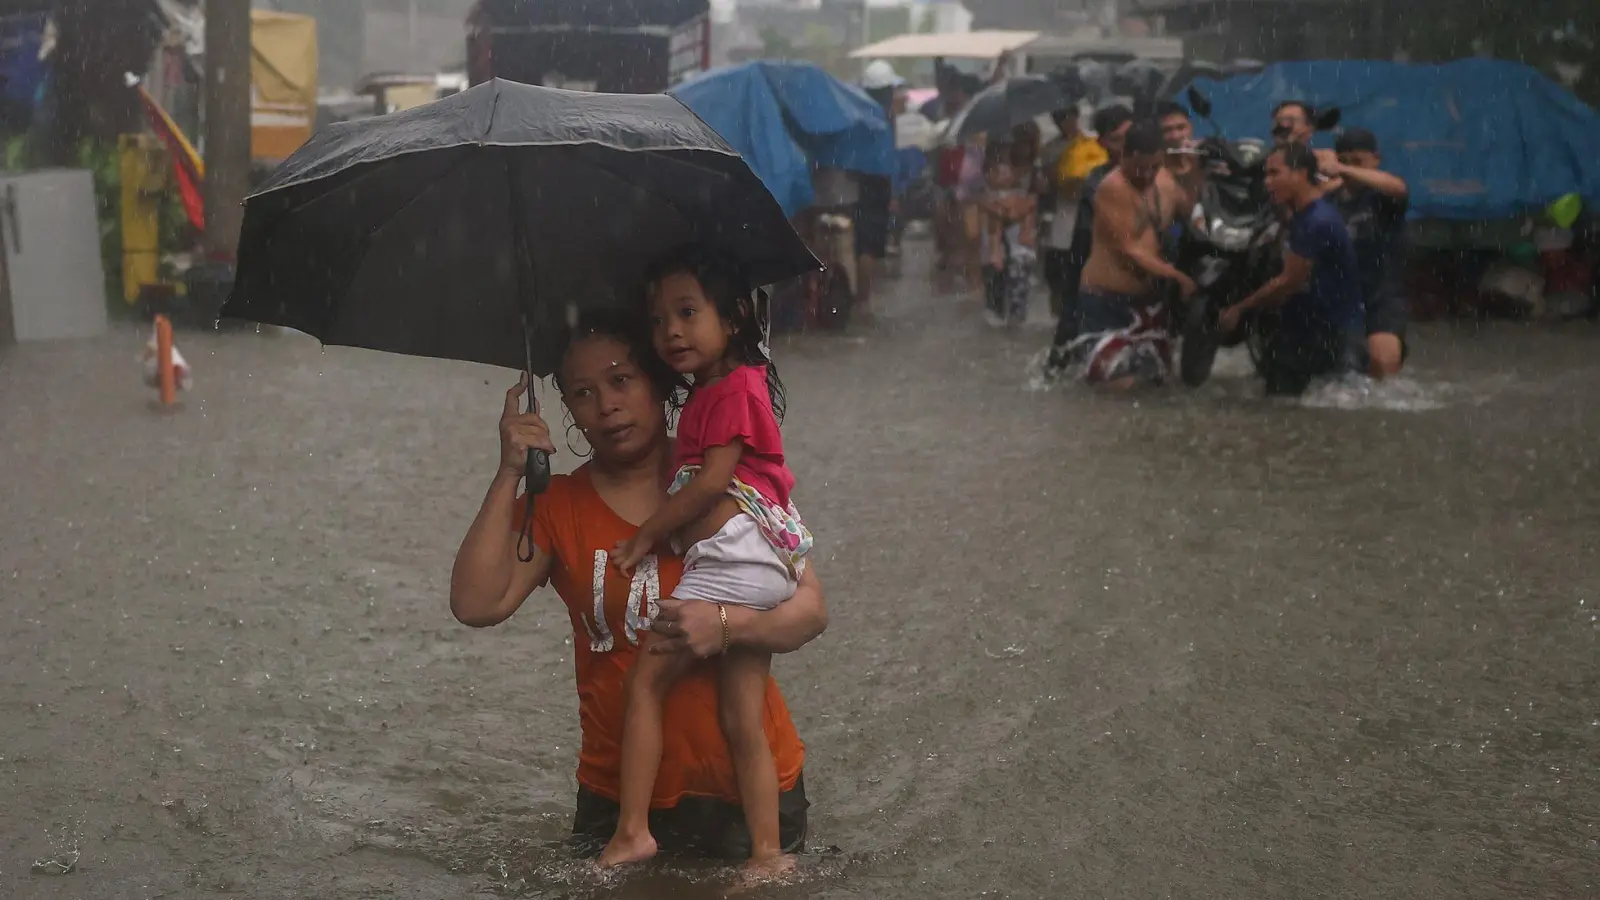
column 227, row 124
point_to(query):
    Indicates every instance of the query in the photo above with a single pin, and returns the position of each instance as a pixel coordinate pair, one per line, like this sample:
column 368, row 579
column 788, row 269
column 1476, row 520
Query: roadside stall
column 283, row 84
column 162, row 170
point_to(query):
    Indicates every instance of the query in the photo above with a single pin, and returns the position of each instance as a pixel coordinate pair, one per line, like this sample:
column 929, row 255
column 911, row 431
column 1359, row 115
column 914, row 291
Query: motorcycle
column 1230, row 246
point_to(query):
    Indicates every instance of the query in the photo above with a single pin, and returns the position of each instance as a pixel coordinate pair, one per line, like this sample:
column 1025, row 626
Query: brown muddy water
column 1186, row 644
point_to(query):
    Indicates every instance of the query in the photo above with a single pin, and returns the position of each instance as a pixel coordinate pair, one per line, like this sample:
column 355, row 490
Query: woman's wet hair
column 626, row 327
column 737, row 302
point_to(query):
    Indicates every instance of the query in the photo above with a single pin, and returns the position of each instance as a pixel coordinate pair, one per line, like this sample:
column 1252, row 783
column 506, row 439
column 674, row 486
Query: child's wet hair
column 737, row 302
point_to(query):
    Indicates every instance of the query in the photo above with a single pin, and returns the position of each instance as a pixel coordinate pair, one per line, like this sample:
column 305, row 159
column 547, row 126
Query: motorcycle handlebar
column 1216, row 149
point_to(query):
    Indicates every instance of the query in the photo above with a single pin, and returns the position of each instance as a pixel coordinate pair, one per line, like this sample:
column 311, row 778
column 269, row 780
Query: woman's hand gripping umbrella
column 473, row 228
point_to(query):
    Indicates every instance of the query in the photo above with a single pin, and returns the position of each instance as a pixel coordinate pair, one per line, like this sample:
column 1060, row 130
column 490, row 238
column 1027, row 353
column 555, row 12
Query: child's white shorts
column 737, row 566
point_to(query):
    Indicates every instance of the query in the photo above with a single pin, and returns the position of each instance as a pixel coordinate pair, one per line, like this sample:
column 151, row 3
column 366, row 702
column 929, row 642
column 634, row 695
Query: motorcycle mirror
column 1328, row 119
column 1200, row 103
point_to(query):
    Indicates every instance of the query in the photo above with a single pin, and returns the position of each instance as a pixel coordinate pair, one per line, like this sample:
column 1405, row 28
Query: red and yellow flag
column 186, row 163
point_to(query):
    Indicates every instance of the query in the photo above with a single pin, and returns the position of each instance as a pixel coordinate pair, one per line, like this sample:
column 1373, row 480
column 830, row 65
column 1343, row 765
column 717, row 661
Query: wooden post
column 165, row 375
column 227, row 124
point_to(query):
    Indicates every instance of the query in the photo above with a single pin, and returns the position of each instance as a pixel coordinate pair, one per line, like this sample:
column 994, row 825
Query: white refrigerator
column 52, row 282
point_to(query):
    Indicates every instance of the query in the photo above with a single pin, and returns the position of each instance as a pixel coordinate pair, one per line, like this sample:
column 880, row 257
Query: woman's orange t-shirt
column 610, row 616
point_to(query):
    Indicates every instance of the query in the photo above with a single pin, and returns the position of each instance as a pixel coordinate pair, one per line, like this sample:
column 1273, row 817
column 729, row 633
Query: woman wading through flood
column 617, row 390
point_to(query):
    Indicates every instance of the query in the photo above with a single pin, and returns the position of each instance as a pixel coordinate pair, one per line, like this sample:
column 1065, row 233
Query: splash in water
column 1233, row 365
column 1354, row 392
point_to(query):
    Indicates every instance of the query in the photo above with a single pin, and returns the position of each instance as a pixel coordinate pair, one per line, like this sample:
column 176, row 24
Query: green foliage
column 100, row 158
column 16, row 154
column 774, row 45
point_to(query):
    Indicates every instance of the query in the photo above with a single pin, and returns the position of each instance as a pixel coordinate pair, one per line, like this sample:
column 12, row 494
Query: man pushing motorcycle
column 1322, row 327
column 1123, row 314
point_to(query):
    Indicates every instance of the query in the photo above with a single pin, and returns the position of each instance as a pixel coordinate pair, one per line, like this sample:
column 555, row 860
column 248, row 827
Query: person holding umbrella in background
column 1004, row 112
column 955, row 93
column 1009, row 231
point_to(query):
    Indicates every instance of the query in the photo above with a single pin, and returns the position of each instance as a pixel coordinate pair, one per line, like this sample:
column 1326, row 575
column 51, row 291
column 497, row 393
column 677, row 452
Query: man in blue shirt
column 1322, row 329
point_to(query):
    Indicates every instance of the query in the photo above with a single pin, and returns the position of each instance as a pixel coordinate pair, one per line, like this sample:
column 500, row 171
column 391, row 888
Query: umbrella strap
column 525, row 547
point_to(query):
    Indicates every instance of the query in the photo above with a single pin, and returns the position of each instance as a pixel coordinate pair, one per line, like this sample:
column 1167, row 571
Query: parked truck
column 624, row 46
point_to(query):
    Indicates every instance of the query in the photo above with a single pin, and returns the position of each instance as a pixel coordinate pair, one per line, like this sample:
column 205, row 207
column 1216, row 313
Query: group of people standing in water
column 1108, row 207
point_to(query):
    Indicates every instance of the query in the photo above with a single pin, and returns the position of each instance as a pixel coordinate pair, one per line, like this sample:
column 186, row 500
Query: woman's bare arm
column 695, row 626
column 489, row 582
column 787, row 627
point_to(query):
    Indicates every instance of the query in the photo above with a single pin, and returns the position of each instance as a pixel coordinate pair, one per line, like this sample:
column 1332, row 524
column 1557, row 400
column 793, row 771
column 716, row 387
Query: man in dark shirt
column 1293, row 122
column 1111, row 126
column 1322, row 328
column 1374, row 204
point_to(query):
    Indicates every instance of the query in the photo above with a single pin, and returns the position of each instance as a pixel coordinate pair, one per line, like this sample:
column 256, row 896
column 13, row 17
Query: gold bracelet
column 727, row 636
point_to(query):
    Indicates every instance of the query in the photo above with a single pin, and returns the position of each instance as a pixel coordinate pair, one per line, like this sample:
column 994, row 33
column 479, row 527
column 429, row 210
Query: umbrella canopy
column 467, row 228
column 1003, row 106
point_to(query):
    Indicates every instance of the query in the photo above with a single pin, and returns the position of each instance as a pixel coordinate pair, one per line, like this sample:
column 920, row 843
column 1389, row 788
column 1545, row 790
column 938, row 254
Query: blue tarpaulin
column 1475, row 139
column 786, row 118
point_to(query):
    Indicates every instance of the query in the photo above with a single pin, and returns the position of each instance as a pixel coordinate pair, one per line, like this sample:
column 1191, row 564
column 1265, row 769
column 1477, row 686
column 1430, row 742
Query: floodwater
column 1180, row 644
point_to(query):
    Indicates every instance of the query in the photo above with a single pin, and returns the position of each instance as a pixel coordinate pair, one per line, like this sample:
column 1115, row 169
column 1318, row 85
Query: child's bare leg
column 649, row 682
column 743, row 710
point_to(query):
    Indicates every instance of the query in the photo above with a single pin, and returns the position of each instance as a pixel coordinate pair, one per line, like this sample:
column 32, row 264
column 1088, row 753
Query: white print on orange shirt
column 644, row 602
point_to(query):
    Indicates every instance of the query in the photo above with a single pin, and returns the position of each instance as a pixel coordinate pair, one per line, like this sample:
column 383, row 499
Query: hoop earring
column 574, row 450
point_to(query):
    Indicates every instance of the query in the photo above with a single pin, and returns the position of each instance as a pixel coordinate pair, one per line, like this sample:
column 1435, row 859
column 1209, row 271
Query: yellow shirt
column 1082, row 155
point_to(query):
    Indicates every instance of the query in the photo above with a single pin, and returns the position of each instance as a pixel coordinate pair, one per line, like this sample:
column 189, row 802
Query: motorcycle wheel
column 1258, row 331
column 1200, row 342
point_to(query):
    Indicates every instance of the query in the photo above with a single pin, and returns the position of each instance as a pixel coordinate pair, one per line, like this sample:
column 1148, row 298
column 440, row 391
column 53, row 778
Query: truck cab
column 626, row 46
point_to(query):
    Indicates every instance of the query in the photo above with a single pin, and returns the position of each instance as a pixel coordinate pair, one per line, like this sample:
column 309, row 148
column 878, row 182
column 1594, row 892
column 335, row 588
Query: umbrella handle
column 536, row 472
column 536, row 476
column 535, row 481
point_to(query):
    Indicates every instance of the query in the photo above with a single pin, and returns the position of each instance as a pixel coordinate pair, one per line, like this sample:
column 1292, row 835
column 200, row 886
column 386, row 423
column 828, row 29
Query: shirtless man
column 1124, row 320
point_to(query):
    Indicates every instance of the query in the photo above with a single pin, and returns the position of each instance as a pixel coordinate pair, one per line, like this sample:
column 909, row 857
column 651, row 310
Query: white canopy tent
column 959, row 45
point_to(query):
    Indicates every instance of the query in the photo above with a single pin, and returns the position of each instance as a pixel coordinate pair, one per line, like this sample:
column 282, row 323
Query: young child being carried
column 729, row 506
column 1010, row 233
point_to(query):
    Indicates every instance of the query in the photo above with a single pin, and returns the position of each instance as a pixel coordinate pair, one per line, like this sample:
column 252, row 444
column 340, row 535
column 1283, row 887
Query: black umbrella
column 1007, row 104
column 441, row 230
column 468, row 228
